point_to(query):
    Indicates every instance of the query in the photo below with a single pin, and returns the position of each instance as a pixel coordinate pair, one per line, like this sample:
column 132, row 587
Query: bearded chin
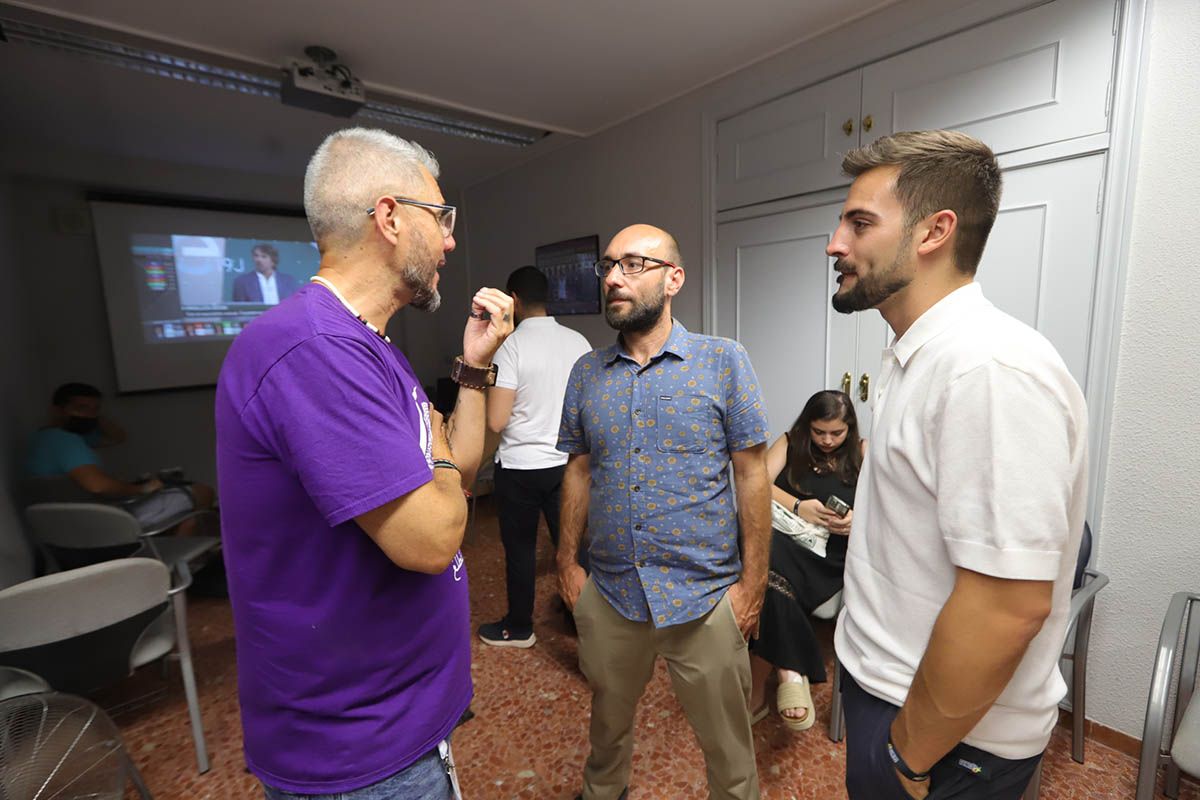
column 873, row 288
column 424, row 296
column 641, row 317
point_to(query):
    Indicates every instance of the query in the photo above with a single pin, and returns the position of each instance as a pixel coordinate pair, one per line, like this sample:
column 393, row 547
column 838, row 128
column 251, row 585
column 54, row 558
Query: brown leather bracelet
column 464, row 374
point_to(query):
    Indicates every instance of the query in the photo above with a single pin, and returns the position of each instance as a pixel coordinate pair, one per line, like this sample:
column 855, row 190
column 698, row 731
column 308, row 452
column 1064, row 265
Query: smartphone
column 837, row 505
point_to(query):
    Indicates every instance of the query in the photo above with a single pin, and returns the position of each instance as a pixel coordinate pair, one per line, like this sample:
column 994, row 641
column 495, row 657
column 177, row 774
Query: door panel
column 789, row 146
column 873, row 336
column 1029, row 79
column 1040, row 261
column 772, row 278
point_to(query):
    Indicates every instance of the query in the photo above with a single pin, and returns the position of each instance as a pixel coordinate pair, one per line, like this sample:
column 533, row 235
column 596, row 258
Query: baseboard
column 1121, row 742
column 1102, row 734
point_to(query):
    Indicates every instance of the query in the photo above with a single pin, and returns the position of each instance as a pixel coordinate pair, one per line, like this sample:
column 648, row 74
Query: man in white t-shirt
column 525, row 407
column 971, row 502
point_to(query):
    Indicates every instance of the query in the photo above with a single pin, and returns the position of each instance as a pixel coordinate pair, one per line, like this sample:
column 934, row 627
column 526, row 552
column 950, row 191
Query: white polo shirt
column 536, row 360
column 978, row 459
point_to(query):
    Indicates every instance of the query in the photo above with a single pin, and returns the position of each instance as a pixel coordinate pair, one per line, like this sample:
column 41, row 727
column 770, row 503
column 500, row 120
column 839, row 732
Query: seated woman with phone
column 815, row 468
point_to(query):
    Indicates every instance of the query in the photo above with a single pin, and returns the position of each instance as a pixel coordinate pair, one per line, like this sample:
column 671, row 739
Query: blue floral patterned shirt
column 662, row 528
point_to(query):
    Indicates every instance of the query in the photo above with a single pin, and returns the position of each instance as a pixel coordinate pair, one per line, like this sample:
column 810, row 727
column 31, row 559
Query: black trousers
column 522, row 495
column 965, row 773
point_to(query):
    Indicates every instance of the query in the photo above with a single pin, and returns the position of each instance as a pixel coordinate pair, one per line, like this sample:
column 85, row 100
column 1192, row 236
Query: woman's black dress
column 798, row 582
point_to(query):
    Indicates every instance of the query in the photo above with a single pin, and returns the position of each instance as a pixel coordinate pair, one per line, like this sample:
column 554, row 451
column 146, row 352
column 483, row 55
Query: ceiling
column 574, row 68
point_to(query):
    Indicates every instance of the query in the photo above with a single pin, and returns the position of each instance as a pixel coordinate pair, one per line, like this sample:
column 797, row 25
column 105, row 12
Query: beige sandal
column 796, row 695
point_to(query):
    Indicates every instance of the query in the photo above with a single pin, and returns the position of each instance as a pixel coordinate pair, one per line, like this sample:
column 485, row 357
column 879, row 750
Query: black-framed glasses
column 630, row 265
column 446, row 215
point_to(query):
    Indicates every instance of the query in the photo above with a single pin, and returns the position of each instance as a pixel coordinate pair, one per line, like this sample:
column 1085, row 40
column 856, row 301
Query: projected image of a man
column 266, row 285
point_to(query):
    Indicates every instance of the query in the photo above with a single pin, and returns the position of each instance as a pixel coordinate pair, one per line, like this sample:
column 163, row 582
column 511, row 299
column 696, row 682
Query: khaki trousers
column 710, row 671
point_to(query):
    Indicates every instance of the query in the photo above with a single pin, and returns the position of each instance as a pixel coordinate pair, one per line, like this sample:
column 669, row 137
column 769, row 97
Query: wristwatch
column 464, row 374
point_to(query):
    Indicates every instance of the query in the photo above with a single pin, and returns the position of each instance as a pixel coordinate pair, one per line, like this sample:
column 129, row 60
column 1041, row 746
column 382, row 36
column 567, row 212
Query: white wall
column 1151, row 540
column 15, row 420
column 643, row 171
column 649, row 169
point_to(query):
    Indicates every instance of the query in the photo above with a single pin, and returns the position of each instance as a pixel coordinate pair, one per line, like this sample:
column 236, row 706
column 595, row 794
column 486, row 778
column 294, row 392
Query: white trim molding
column 1125, row 125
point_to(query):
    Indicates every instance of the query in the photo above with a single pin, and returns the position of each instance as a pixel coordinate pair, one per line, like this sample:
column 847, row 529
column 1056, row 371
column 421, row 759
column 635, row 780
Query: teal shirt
column 54, row 452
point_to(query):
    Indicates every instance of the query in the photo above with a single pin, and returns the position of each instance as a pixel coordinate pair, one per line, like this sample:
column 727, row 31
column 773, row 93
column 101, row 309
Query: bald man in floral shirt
column 652, row 425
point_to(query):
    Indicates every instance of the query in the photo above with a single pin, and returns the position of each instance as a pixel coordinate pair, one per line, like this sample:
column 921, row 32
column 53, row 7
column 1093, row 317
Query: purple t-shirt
column 349, row 667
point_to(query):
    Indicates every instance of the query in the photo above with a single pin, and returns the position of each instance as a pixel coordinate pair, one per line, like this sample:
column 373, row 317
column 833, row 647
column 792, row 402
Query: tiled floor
column 529, row 736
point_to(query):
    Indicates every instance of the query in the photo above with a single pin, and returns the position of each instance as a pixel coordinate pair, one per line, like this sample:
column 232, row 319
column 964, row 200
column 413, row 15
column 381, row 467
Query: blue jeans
column 425, row 779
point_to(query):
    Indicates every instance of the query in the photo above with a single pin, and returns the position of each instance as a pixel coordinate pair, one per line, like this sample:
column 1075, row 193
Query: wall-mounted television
column 570, row 268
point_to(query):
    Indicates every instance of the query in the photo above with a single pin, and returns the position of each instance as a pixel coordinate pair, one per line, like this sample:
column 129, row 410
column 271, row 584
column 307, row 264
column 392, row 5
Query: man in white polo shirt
column 971, row 501
column 525, row 407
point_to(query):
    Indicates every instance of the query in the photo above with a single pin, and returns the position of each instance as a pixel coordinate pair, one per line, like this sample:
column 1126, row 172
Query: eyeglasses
column 630, row 265
column 445, row 215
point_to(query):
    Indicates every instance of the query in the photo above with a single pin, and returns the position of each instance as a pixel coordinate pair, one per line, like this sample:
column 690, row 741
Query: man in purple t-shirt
column 342, row 502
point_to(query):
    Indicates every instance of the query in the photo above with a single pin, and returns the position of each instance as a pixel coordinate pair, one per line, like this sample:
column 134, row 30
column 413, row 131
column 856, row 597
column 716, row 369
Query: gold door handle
column 868, row 123
column 846, row 383
column 864, row 387
column 848, row 127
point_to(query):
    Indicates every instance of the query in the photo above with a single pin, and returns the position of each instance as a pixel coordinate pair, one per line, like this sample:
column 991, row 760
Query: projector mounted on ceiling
column 319, row 83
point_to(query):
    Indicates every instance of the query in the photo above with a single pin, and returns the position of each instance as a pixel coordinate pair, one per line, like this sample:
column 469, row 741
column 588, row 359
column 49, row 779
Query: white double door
column 774, row 281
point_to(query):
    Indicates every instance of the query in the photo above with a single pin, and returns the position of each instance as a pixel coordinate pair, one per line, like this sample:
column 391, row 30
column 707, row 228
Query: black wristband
column 442, row 463
column 796, row 507
column 901, row 767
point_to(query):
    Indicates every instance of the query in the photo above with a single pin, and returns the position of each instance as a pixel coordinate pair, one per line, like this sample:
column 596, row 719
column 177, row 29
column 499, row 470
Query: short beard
column 872, row 289
column 419, row 281
column 643, row 315
column 424, row 296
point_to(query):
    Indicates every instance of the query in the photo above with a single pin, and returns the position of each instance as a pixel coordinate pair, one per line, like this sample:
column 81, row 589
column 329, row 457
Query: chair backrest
column 82, row 526
column 18, row 682
column 1085, row 555
column 77, row 629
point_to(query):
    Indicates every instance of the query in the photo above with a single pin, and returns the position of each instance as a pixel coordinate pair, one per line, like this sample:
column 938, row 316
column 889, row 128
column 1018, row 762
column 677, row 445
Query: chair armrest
column 168, row 524
column 181, row 579
column 1093, row 582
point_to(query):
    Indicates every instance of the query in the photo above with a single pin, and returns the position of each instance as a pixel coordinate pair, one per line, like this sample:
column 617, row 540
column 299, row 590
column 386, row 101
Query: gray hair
column 350, row 170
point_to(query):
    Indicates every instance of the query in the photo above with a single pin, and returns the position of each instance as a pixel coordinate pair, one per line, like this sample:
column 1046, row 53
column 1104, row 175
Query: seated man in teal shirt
column 66, row 448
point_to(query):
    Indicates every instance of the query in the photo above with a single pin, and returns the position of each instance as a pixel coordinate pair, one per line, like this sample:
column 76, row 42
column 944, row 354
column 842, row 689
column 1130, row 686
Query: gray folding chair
column 1088, row 582
column 1171, row 736
column 837, row 718
column 78, row 534
column 19, row 682
column 89, row 628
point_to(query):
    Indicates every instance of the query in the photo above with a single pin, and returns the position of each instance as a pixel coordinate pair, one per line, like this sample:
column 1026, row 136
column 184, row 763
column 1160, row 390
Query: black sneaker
column 499, row 634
